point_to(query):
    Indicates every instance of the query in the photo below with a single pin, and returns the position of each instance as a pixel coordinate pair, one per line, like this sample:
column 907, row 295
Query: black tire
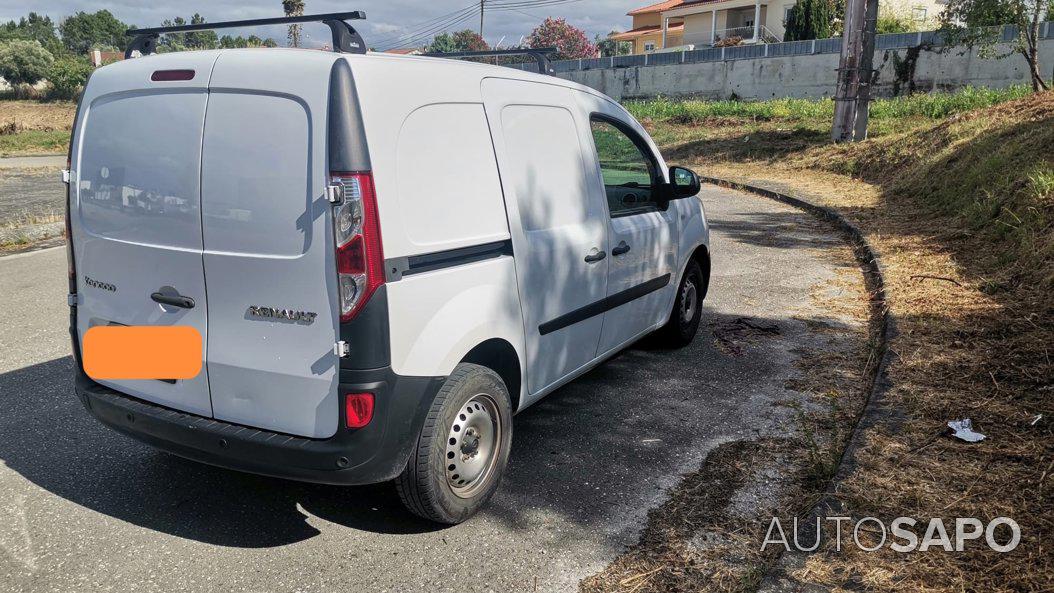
column 427, row 486
column 680, row 330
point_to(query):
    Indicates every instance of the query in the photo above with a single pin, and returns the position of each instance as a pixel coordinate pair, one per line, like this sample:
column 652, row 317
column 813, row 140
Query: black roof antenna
column 345, row 38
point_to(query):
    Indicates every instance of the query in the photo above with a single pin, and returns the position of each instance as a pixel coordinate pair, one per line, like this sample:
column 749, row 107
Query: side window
column 629, row 173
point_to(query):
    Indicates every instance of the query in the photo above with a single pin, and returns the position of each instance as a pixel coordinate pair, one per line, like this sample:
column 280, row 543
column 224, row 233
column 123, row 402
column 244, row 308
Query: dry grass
column 27, row 218
column 960, row 212
column 708, row 533
column 696, row 539
column 35, row 127
column 45, row 116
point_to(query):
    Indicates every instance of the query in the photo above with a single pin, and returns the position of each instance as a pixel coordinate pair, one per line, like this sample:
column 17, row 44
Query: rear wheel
column 680, row 330
column 463, row 448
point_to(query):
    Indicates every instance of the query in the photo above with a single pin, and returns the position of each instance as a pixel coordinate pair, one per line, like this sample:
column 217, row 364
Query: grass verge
column 961, row 211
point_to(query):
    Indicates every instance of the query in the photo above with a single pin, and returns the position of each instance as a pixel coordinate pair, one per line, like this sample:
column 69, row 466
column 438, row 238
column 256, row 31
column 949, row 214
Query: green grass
column 992, row 172
column 927, row 105
column 34, row 142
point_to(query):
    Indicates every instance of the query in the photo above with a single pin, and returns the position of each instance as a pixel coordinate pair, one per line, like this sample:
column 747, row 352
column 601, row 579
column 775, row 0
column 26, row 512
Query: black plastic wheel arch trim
column 603, row 305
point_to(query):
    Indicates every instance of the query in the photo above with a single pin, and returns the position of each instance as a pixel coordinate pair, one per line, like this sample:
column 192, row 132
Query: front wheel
column 680, row 330
column 463, row 447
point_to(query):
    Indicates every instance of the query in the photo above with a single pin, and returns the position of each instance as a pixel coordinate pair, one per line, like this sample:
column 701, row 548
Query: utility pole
column 855, row 71
column 481, row 18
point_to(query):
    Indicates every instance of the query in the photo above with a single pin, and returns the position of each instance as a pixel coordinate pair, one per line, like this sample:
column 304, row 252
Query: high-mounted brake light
column 358, row 409
column 357, row 237
column 171, row 75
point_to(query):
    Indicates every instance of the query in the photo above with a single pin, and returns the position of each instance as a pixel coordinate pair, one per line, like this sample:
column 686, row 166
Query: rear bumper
column 375, row 453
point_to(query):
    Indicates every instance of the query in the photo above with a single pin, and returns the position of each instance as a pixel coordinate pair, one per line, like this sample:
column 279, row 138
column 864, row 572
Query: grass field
column 956, row 193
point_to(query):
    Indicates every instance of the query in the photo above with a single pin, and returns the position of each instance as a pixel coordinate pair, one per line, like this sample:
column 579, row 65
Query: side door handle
column 592, row 258
column 620, row 249
column 180, row 301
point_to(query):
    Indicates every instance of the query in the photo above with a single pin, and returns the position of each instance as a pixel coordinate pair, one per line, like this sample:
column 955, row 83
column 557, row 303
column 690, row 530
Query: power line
column 417, row 27
column 429, row 30
column 436, row 29
column 440, row 24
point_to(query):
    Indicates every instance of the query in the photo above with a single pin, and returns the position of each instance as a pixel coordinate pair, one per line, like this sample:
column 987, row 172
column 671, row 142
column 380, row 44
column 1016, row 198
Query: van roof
column 394, row 61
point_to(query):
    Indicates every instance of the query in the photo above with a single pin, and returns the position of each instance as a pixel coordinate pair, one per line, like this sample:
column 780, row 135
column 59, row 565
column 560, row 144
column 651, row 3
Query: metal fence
column 765, row 50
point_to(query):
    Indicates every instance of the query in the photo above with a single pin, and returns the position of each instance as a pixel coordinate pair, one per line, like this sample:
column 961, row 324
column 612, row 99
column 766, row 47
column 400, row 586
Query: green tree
column 23, row 63
column 201, row 39
column 609, row 47
column 976, row 23
column 84, row 31
column 68, row 77
column 441, row 44
column 173, row 41
column 900, row 18
column 811, row 19
column 229, row 42
column 34, row 27
column 464, row 40
column 293, row 8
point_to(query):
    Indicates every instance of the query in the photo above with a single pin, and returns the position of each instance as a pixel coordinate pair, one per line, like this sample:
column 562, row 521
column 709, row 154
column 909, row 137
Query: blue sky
column 389, row 22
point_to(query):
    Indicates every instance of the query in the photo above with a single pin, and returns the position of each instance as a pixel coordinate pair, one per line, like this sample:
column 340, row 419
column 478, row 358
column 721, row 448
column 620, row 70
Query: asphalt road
column 30, row 193
column 85, row 509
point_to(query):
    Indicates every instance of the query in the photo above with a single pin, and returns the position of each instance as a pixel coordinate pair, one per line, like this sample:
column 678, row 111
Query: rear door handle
column 173, row 300
column 620, row 249
column 595, row 257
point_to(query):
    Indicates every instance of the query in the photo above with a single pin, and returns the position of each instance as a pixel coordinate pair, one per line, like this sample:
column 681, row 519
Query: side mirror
column 684, row 183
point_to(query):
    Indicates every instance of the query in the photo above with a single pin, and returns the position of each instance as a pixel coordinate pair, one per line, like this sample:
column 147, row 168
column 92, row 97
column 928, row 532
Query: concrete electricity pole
column 481, row 18
column 855, row 71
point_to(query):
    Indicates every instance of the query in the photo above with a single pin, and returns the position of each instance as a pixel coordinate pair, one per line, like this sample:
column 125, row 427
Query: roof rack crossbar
column 345, row 38
column 541, row 54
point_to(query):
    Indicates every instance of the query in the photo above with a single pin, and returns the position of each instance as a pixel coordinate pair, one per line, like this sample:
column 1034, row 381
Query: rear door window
column 629, row 172
column 139, row 169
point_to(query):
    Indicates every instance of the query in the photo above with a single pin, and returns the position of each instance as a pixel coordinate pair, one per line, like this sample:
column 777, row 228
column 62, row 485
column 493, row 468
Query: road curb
column 882, row 329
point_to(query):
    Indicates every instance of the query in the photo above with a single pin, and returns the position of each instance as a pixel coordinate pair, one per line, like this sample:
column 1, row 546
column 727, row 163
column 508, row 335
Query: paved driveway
column 85, row 509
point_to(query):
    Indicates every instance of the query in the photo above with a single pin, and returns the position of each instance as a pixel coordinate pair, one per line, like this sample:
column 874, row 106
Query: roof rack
column 345, row 38
column 541, row 54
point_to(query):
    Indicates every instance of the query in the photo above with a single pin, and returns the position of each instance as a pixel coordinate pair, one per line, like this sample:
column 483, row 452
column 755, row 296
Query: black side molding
column 603, row 305
column 428, row 262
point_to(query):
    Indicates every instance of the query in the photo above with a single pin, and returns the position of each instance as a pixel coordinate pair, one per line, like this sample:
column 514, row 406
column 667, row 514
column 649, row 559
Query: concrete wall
column 812, row 76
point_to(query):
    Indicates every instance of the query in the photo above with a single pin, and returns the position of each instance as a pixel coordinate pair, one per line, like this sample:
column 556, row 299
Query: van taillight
column 357, row 235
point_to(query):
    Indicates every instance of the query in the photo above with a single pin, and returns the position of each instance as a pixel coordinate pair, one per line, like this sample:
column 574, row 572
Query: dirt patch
column 730, row 336
column 45, row 116
column 702, row 537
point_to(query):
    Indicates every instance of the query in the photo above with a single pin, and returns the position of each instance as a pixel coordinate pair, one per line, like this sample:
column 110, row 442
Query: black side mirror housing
column 684, row 183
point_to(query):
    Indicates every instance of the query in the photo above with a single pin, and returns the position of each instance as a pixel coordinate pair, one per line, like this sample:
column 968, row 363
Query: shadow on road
column 595, row 446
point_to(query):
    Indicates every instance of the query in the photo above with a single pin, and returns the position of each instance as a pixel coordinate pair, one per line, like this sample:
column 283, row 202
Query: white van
column 387, row 257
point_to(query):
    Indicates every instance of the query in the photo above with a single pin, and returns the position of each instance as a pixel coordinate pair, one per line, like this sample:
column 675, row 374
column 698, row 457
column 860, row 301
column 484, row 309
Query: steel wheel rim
column 688, row 301
column 473, row 443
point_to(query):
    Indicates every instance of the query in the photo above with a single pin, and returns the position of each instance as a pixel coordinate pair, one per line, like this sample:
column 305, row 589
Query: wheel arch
column 701, row 256
column 499, row 355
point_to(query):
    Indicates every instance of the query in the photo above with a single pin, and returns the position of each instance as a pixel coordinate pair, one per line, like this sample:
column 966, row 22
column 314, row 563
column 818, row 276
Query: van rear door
column 268, row 243
column 135, row 207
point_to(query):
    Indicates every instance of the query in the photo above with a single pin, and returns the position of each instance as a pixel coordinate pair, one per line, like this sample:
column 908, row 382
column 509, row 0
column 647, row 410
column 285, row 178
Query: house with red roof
column 704, row 23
